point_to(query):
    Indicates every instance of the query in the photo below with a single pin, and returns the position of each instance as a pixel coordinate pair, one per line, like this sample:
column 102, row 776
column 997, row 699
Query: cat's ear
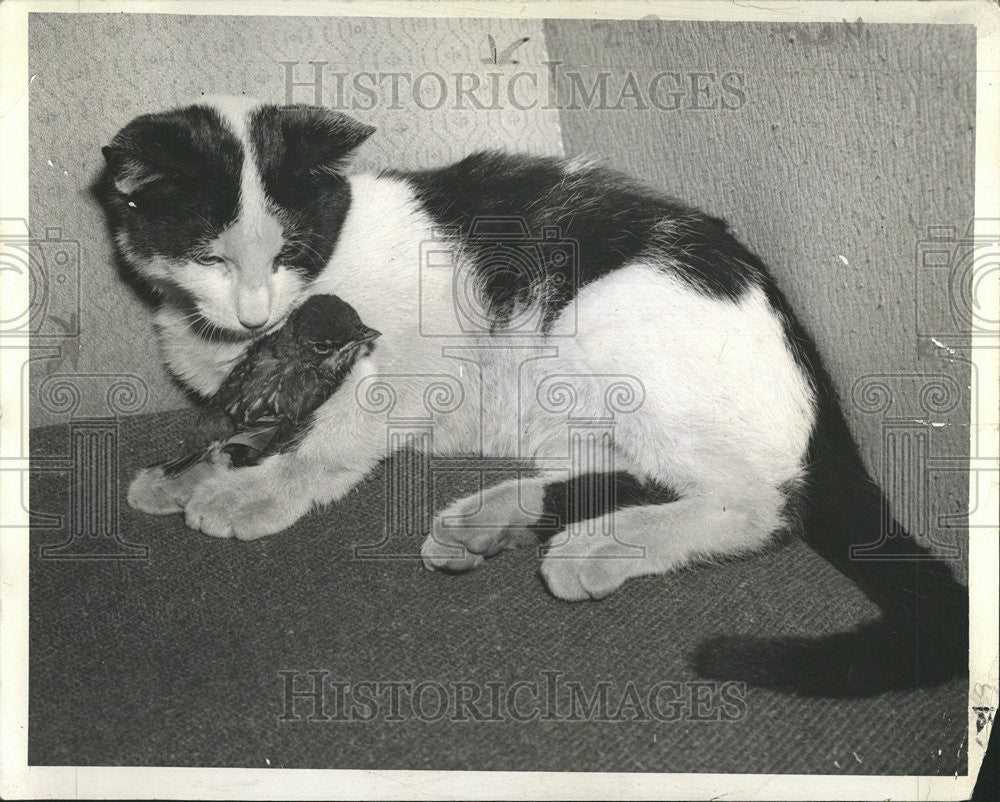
column 319, row 140
column 152, row 148
column 130, row 170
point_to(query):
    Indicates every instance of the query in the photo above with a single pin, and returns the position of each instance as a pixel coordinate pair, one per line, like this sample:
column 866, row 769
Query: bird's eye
column 209, row 259
column 322, row 348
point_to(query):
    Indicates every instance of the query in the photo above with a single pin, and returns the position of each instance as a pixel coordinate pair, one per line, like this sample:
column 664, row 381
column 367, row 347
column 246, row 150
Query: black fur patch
column 592, row 495
column 299, row 151
column 611, row 220
column 186, row 164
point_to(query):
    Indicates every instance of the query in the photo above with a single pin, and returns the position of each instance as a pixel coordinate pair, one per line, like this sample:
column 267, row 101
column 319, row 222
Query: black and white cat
column 233, row 212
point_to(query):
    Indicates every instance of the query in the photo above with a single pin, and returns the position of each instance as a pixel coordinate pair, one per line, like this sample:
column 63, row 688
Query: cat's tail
column 922, row 636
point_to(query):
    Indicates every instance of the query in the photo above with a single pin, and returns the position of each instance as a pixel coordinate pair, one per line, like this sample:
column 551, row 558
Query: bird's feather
column 181, row 465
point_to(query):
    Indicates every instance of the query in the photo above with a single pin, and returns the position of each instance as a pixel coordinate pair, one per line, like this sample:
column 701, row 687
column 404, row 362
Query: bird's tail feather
column 175, row 467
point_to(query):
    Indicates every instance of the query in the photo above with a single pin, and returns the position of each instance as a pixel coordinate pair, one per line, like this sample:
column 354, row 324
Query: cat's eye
column 284, row 257
column 209, row 259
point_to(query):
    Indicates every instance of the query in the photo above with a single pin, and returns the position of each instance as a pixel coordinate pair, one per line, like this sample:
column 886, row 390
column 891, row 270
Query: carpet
column 205, row 651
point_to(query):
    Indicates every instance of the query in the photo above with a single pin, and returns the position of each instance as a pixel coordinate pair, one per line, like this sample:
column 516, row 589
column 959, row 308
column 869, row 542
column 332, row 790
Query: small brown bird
column 270, row 395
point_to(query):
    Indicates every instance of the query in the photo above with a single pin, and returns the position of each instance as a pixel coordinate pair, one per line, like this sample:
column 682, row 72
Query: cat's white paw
column 581, row 566
column 461, row 539
column 153, row 492
column 233, row 504
column 150, row 492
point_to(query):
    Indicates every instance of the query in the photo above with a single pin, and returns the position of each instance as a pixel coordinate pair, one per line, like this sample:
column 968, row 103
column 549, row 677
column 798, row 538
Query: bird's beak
column 361, row 337
column 366, row 335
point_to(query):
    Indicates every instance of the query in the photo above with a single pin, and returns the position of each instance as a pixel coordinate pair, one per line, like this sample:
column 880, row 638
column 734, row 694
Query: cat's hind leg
column 482, row 524
column 526, row 511
column 590, row 559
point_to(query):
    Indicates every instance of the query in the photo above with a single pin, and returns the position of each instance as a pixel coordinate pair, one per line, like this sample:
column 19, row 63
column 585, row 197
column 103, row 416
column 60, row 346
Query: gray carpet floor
column 176, row 659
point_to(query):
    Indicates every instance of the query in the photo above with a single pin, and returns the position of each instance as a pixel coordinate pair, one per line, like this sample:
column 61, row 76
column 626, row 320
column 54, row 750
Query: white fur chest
column 199, row 364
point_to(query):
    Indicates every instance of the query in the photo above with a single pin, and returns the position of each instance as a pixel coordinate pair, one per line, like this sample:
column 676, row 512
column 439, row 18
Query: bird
column 270, row 395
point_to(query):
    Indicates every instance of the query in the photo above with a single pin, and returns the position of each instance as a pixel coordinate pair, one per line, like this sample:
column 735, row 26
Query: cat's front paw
column 580, row 565
column 154, row 492
column 234, row 504
column 151, row 492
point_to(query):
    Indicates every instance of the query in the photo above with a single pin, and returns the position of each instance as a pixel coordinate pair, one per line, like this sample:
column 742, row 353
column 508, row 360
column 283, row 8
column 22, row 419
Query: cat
column 539, row 291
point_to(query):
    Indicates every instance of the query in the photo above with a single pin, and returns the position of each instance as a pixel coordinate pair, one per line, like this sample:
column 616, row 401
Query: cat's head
column 228, row 207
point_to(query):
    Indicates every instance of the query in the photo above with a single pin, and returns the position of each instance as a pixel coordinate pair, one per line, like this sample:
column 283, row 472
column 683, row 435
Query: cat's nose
column 253, row 306
column 252, row 323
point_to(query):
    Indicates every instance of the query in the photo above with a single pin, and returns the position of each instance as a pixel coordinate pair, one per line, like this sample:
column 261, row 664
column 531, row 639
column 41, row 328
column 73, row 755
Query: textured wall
column 831, row 151
column 848, row 143
column 94, row 73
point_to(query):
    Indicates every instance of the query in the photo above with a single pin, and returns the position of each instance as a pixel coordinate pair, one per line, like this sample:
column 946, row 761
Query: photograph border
column 18, row 780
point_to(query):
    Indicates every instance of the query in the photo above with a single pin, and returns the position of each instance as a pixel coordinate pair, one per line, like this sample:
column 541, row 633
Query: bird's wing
column 274, row 383
column 244, row 393
column 298, row 392
column 230, row 392
column 257, row 438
